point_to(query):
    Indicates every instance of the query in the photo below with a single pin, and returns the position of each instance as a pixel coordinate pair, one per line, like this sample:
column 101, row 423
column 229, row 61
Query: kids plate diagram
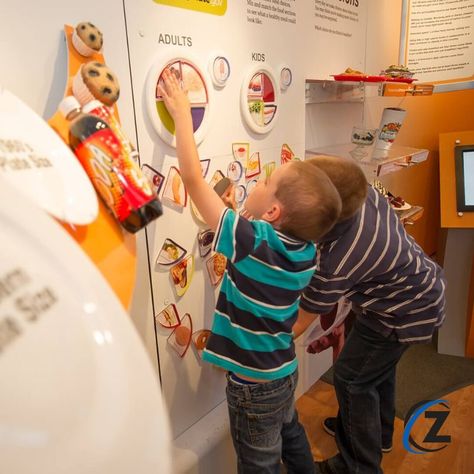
column 194, row 81
column 259, row 99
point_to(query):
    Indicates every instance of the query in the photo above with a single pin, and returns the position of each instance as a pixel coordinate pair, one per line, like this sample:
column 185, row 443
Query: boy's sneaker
column 329, row 426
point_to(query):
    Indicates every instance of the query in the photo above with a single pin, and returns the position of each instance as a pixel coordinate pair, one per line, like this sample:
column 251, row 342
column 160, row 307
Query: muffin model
column 87, row 39
column 95, row 80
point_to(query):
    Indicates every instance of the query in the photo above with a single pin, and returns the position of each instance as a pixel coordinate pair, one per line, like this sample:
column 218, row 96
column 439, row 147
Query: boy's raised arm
column 208, row 203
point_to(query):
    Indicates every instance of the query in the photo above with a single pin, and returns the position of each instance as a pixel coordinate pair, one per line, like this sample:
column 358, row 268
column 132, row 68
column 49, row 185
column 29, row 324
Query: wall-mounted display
column 194, row 81
column 286, row 78
column 259, row 99
column 39, row 164
column 219, row 68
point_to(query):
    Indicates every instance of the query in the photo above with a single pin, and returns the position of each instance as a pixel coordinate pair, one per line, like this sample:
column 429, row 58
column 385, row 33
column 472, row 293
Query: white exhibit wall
column 327, row 37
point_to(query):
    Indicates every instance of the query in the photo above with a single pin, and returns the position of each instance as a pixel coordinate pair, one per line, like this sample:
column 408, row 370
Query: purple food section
column 197, row 114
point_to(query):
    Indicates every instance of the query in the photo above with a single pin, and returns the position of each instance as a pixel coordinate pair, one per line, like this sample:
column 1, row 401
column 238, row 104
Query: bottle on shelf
column 114, row 173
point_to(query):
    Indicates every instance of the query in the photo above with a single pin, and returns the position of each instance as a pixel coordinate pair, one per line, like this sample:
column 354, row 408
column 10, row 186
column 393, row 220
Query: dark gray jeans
column 265, row 428
column 364, row 379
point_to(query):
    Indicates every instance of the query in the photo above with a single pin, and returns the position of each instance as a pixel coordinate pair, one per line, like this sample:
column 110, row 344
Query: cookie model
column 95, row 80
column 201, row 339
column 87, row 39
column 182, row 335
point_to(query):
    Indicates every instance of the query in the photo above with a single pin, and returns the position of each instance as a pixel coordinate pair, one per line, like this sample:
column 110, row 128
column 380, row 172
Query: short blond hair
column 310, row 202
column 348, row 178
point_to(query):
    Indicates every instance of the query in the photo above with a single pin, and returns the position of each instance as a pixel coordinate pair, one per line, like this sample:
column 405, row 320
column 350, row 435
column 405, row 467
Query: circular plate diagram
column 260, row 99
column 195, row 82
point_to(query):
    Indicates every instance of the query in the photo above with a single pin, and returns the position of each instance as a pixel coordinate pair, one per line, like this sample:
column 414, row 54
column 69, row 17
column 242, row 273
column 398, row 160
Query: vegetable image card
column 168, row 317
column 174, row 188
column 180, row 338
column 286, row 154
column 216, row 268
column 205, row 239
column 155, row 178
column 170, row 253
column 182, row 274
column 253, row 166
column 240, row 152
column 269, row 168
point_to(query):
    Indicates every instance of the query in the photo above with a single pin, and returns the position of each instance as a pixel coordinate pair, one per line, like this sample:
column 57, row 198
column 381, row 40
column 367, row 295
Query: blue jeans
column 265, row 428
column 364, row 379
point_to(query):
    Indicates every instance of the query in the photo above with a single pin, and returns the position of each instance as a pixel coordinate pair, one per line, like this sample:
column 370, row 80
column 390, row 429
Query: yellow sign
column 216, row 7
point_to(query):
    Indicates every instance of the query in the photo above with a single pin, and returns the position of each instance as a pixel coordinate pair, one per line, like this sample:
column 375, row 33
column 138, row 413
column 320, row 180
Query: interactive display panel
column 464, row 166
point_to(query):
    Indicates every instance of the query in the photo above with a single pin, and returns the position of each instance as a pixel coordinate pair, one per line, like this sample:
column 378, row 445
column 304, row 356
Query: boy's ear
column 272, row 214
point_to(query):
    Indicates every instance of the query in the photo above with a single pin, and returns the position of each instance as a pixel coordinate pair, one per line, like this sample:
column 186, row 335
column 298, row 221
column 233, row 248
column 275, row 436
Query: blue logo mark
column 433, row 435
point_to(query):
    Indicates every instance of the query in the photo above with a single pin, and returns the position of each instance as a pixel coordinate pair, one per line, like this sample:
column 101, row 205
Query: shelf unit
column 322, row 91
column 374, row 162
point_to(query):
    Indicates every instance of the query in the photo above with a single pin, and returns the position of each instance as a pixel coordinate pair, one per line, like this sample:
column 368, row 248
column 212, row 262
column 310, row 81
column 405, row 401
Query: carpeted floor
column 423, row 374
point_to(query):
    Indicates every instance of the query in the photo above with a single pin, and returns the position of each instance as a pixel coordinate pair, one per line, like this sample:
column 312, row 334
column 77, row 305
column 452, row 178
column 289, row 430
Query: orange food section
column 111, row 249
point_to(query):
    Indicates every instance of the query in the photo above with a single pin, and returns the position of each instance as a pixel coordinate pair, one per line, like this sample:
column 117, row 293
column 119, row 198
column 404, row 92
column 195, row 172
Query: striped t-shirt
column 374, row 263
column 259, row 298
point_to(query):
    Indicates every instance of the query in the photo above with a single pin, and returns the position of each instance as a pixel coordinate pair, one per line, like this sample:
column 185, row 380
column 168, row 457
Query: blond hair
column 310, row 202
column 348, row 178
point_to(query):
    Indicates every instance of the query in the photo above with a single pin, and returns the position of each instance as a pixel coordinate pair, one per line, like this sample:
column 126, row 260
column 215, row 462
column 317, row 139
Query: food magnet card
column 180, row 338
column 286, row 154
column 155, row 178
column 253, row 166
column 168, row 317
column 182, row 274
column 240, row 152
column 205, row 239
column 174, row 188
column 200, row 339
column 170, row 253
column 269, row 168
column 216, row 268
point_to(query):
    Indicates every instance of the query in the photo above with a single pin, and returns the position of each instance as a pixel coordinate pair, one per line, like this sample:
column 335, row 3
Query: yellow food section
column 112, row 249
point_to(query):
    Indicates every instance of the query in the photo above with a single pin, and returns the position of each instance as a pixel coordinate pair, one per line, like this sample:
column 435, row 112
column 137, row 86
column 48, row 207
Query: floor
column 320, row 402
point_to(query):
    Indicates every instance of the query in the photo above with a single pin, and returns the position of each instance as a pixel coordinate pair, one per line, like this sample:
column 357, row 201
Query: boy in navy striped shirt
column 269, row 262
column 397, row 293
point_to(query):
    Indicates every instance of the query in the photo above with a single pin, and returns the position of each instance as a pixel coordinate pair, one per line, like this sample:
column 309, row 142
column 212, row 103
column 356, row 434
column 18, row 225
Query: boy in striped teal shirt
column 270, row 260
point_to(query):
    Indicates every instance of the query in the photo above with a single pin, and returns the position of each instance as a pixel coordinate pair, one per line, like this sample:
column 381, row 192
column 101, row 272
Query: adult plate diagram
column 195, row 81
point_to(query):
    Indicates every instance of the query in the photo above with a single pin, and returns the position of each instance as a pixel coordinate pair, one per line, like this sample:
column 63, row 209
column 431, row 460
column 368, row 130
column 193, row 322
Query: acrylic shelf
column 375, row 162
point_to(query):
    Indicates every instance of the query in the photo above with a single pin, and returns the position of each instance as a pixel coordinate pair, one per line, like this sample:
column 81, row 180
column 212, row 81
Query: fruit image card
column 205, row 239
column 154, row 177
column 216, row 266
column 253, row 166
column 180, row 339
column 170, row 253
column 175, row 191
column 168, row 317
column 182, row 274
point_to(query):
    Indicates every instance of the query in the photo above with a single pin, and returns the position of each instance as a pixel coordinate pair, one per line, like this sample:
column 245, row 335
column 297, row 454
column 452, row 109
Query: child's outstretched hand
column 175, row 98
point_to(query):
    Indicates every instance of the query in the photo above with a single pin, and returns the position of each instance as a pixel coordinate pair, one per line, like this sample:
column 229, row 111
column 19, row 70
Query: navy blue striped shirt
column 373, row 262
column 259, row 298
